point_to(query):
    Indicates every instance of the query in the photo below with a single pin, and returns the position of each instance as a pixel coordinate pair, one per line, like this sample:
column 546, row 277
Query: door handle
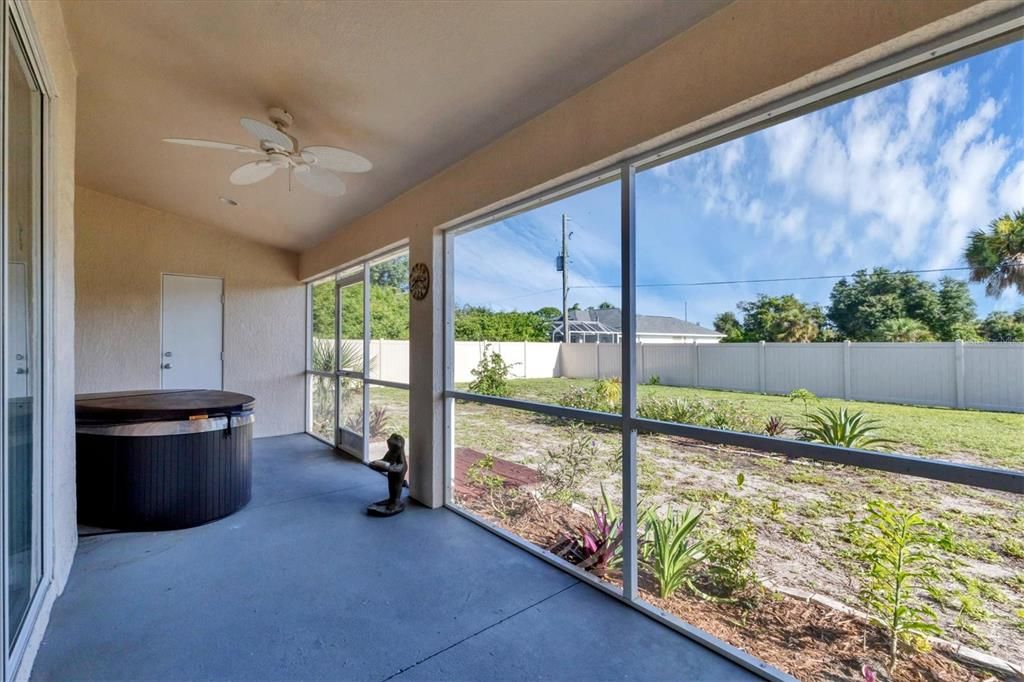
column 166, row 365
column 21, row 370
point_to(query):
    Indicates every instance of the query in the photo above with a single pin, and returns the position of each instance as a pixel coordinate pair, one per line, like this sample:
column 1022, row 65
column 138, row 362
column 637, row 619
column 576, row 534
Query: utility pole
column 566, row 337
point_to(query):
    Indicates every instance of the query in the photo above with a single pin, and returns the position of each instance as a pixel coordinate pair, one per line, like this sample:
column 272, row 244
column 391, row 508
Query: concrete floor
column 301, row 584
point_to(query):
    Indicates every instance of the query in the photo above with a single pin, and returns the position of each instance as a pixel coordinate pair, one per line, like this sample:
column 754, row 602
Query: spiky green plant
column 670, row 549
column 843, row 427
column 323, row 355
column 897, row 550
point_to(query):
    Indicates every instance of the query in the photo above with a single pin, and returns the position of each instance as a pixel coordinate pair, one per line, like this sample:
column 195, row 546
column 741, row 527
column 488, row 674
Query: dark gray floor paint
column 302, row 584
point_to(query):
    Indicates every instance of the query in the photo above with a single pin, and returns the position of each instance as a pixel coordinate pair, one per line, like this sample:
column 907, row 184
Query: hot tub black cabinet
column 158, row 460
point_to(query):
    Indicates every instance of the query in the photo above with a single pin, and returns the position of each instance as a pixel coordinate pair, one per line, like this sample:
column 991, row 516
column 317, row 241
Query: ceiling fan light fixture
column 315, row 167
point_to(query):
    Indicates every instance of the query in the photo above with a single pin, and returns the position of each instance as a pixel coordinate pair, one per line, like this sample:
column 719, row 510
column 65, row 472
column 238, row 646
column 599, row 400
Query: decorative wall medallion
column 419, row 281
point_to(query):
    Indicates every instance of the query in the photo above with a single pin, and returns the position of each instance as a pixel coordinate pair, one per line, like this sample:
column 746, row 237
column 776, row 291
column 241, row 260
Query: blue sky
column 897, row 178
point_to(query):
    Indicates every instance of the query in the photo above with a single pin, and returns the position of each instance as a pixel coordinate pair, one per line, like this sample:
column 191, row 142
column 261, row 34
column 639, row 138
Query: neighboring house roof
column 611, row 318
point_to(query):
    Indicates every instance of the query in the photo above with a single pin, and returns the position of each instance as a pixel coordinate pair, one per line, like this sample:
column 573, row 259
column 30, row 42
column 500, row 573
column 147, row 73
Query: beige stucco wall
column 122, row 248
column 59, row 436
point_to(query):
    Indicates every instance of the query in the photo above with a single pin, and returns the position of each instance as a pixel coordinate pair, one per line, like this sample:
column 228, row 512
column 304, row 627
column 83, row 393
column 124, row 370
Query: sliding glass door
column 358, row 369
column 22, row 339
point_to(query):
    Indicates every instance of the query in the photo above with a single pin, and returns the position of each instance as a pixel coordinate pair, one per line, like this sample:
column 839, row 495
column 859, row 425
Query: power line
column 765, row 280
column 768, row 279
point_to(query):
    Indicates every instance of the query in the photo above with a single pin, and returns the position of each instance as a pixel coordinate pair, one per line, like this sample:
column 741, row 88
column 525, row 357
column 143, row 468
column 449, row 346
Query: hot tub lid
column 158, row 405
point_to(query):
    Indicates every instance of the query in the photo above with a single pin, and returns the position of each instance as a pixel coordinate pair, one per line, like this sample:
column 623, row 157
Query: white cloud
column 791, row 224
column 789, row 144
column 1011, row 191
column 971, row 158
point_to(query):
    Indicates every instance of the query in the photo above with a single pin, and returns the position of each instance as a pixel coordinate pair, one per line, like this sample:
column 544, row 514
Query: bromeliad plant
column 670, row 549
column 774, row 426
column 598, row 548
column 897, row 549
column 842, row 427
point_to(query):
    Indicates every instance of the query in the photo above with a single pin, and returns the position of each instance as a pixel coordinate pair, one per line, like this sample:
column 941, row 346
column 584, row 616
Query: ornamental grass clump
column 671, row 550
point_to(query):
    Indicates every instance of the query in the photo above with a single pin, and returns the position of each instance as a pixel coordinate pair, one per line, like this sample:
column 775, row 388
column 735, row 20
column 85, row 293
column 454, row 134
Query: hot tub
column 158, row 460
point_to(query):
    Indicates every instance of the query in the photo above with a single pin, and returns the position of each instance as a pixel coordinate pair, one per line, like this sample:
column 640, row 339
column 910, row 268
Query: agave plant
column 843, row 427
column 378, row 424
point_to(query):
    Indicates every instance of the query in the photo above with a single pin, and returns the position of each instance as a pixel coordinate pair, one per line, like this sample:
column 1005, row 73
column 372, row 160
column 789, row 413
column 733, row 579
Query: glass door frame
column 352, row 274
column 352, row 279
column 18, row 25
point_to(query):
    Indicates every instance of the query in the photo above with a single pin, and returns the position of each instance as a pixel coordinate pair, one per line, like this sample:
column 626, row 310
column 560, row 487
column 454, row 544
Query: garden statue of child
column 394, row 465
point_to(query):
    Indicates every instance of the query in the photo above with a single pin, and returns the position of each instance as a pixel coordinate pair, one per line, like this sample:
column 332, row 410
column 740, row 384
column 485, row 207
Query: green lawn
column 992, row 438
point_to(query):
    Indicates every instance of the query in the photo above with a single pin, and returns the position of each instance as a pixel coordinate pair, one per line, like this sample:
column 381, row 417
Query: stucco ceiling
column 413, row 86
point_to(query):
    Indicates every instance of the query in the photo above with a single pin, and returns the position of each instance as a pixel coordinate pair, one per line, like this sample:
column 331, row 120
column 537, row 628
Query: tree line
column 883, row 305
column 875, row 305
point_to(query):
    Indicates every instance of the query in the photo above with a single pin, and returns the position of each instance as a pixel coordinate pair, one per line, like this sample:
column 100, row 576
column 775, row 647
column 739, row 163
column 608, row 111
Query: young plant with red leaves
column 597, row 547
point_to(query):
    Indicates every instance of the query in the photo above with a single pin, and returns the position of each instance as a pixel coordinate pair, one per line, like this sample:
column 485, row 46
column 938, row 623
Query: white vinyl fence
column 389, row 360
column 986, row 376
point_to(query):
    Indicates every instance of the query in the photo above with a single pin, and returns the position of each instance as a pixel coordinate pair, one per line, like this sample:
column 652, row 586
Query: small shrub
column 490, row 376
column 671, row 550
column 842, row 427
column 698, row 411
column 804, row 396
column 609, row 392
column 730, row 557
column 897, row 550
column 564, row 470
column 506, row 501
column 774, row 426
column 654, row 380
column 481, row 473
column 604, row 395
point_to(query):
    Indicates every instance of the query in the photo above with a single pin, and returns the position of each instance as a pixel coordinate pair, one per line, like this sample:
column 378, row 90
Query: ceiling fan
column 311, row 166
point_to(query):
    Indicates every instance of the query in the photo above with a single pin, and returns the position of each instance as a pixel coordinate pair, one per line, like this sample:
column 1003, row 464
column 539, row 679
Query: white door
column 192, row 323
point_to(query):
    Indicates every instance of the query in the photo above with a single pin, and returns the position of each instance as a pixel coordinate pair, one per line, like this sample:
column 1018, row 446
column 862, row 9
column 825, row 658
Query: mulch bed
column 805, row 639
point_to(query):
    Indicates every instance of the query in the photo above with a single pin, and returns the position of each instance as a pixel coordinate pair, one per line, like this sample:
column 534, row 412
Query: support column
column 426, row 375
column 628, row 345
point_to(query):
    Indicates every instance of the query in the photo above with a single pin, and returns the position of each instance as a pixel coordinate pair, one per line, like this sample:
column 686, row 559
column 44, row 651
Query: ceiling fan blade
column 320, row 180
column 336, row 159
column 252, row 172
column 268, row 133
column 212, row 145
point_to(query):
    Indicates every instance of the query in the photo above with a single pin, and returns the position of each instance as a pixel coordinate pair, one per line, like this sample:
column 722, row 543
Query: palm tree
column 904, row 330
column 996, row 256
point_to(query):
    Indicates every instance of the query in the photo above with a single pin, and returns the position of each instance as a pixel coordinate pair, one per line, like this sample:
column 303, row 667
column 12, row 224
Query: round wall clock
column 419, row 281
